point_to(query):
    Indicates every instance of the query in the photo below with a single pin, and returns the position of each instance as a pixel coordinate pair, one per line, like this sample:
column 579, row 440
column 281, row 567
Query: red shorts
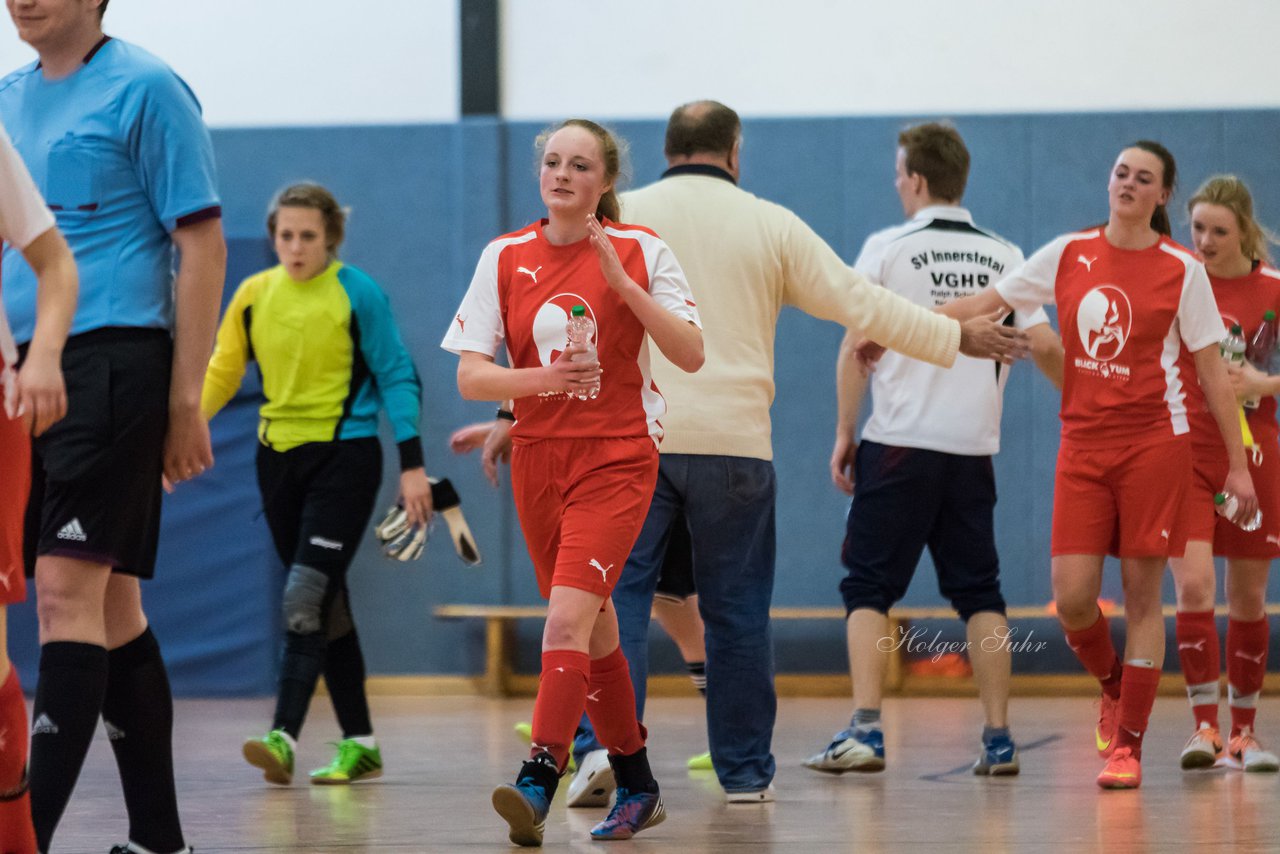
column 15, row 482
column 1124, row 501
column 581, row 504
column 1204, row 524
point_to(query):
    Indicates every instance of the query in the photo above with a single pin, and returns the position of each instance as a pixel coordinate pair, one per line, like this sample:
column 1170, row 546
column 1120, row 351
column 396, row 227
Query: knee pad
column 304, row 599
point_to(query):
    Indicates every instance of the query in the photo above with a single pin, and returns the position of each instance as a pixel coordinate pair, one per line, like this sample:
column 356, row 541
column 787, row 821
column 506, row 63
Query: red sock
column 1247, row 644
column 611, row 705
column 562, row 692
column 1136, row 700
column 16, row 833
column 1197, row 636
column 1098, row 655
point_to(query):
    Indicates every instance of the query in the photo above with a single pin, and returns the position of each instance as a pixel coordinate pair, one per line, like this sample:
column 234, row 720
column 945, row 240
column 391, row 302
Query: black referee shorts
column 95, row 475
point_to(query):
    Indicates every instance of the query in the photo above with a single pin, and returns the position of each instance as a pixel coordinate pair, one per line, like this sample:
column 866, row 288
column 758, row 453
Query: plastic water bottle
column 1233, row 346
column 1262, row 347
column 582, row 331
column 1227, row 504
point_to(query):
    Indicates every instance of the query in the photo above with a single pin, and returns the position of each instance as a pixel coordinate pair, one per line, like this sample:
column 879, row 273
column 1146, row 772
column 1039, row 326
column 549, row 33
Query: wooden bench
column 500, row 624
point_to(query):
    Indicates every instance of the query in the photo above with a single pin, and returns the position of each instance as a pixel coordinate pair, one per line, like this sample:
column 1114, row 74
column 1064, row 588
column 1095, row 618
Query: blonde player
column 1234, row 251
column 582, row 470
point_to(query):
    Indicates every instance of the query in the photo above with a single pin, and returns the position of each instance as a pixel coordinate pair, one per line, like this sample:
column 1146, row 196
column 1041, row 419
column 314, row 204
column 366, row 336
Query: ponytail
column 1160, row 221
column 1160, row 216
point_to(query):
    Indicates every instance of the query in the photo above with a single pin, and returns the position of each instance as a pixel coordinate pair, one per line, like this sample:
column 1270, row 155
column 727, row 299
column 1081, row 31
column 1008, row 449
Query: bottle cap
column 1235, row 329
column 579, row 310
column 1220, row 498
column 1268, row 315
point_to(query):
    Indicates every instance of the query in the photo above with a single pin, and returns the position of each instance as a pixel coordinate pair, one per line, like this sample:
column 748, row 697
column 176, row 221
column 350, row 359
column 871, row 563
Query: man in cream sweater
column 745, row 258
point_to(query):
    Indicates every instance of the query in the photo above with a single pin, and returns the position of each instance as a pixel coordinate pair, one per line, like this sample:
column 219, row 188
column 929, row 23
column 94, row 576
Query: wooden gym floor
column 445, row 754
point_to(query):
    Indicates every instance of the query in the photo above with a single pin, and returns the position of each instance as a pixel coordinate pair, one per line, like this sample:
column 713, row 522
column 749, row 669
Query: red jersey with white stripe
column 1241, row 300
column 522, row 293
column 1124, row 315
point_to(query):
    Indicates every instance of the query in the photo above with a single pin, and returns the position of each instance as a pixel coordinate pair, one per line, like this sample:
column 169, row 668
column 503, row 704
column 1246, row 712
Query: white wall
column 310, row 62
column 871, row 57
column 297, row 62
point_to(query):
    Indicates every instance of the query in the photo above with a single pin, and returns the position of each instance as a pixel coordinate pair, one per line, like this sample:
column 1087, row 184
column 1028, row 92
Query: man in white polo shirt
column 922, row 475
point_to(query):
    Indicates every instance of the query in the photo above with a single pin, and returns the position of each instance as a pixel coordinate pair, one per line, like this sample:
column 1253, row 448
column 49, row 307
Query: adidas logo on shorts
column 72, row 531
column 44, row 726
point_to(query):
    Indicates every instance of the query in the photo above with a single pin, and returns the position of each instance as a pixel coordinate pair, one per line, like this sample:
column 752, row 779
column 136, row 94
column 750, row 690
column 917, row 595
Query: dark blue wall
column 425, row 200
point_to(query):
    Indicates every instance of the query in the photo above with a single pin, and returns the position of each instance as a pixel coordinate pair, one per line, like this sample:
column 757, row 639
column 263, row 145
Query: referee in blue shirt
column 116, row 142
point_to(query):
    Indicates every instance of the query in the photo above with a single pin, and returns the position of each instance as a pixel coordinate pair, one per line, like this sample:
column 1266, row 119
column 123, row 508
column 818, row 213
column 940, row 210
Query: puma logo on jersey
column 594, row 696
column 1198, row 646
column 533, row 274
column 1256, row 659
column 1164, row 533
column 462, row 322
column 604, row 570
column 1087, row 262
column 1273, row 539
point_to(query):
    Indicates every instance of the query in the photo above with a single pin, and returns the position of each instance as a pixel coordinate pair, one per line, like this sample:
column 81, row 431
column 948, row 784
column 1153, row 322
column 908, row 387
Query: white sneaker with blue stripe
column 853, row 749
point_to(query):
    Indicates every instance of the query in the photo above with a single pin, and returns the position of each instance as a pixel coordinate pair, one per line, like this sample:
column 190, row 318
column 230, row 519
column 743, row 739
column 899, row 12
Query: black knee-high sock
column 304, row 657
column 344, row 676
column 138, row 715
column 73, row 678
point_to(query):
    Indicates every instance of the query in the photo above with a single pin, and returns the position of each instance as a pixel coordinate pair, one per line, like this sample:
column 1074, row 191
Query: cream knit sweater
column 745, row 258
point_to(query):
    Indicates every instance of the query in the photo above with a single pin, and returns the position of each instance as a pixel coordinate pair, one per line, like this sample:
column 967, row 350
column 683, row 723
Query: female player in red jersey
column 1128, row 299
column 1233, row 248
column 583, row 468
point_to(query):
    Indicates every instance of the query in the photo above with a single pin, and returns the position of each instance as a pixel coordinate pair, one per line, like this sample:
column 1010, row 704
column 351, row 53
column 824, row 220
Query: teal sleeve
column 388, row 360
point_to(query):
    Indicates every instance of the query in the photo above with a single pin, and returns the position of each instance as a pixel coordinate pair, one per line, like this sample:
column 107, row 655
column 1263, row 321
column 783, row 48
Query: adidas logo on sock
column 44, row 726
column 72, row 531
column 114, row 733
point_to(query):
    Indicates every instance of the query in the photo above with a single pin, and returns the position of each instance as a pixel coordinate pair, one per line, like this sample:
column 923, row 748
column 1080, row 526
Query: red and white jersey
column 521, row 295
column 1242, row 300
column 1125, row 315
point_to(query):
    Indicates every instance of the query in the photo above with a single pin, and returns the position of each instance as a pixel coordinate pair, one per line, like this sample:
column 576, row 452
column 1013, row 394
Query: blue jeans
column 729, row 505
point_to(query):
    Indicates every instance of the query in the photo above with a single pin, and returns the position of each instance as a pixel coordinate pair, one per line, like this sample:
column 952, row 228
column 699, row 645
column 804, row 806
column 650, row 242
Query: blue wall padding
column 425, row 199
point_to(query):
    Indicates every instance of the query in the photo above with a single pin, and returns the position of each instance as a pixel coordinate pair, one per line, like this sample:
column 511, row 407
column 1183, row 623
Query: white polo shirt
column 937, row 256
